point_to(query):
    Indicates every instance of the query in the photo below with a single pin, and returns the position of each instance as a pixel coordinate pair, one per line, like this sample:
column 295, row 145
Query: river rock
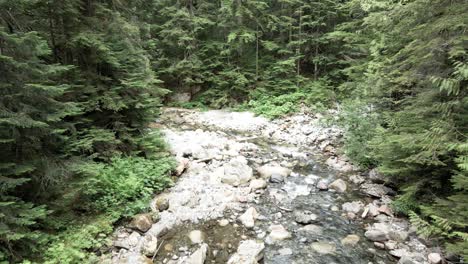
column 128, row 242
column 376, row 177
column 376, row 235
column 285, row 251
column 338, row 185
column 196, row 236
column 267, row 171
column 322, row 185
column 162, row 203
column 323, row 247
column 353, row 207
column 199, row 256
column 350, row 240
column 248, row 252
column 237, row 172
column 406, row 260
column 398, row 235
column 379, row 245
column 304, row 217
column 311, row 229
column 249, row 217
column 278, row 233
column 141, row 222
column 385, row 209
column 223, row 222
column 434, row 258
column 357, row 179
column 256, row 184
column 375, row 190
column 391, row 245
column 150, row 245
column 276, row 178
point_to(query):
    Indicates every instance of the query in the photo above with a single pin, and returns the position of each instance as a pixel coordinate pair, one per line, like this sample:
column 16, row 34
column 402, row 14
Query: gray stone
column 406, row 260
column 304, row 217
column 256, row 184
column 350, row 240
column 434, row 258
column 237, row 172
column 353, row 207
column 278, row 233
column 267, row 171
column 150, row 245
column 162, row 203
column 285, row 251
column 249, row 217
column 376, row 177
column 248, row 252
column 196, row 236
column 135, row 259
column 311, row 229
column 376, row 235
column 375, row 190
column 322, row 185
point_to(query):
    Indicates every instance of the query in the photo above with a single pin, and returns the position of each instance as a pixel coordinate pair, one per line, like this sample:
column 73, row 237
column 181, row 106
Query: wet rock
column 311, row 229
column 399, row 252
column 267, row 171
column 278, row 233
column 338, row 185
column 323, row 247
column 353, row 207
column 196, row 236
column 322, row 185
column 285, row 251
column 376, row 177
column 304, row 217
column 376, row 235
column 199, row 256
column 162, row 203
column 391, row 245
column 434, row 258
column 150, row 245
column 237, row 172
column 248, row 252
column 181, row 167
column 141, row 222
column 256, row 184
column 276, row 178
column 350, row 240
column 375, row 190
column 249, row 217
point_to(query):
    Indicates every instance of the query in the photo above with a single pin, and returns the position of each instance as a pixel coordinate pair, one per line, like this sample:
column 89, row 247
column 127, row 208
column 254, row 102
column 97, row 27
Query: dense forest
column 81, row 80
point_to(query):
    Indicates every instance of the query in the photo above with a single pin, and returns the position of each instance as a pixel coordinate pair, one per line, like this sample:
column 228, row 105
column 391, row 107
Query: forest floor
column 250, row 190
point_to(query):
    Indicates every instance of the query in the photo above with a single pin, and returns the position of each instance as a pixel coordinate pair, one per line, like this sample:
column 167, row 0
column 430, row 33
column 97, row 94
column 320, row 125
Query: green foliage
column 124, row 183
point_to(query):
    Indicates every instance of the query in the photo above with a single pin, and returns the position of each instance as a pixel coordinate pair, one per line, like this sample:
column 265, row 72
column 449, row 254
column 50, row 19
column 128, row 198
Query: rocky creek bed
column 252, row 190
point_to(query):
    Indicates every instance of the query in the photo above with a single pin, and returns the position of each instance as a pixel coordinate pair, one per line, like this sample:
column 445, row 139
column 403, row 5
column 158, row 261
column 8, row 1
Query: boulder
column 338, row 185
column 199, row 256
column 304, row 217
column 353, row 207
column 434, row 258
column 278, row 233
column 249, row 217
column 266, row 171
column 256, row 184
column 237, row 172
column 323, row 247
column 376, row 235
column 350, row 240
column 248, row 252
column 141, row 222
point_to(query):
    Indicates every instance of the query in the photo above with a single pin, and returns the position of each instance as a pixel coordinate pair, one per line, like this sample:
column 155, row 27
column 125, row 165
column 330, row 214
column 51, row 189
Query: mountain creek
column 252, row 190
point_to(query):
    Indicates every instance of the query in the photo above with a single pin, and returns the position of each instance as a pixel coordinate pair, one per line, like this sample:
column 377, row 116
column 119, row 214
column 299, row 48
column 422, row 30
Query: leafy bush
column 126, row 184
